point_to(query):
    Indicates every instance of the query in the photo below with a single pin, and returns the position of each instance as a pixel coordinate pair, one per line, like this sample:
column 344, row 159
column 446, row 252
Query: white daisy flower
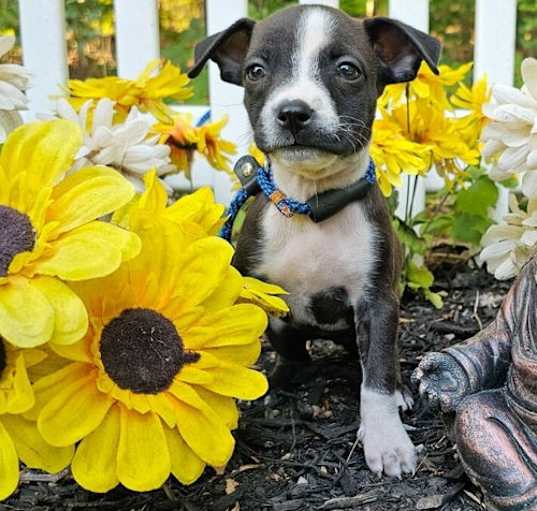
column 124, row 146
column 509, row 245
column 511, row 136
column 14, row 80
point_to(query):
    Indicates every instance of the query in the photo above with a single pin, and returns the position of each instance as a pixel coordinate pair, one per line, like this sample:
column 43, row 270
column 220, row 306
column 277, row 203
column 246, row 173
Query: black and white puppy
column 312, row 76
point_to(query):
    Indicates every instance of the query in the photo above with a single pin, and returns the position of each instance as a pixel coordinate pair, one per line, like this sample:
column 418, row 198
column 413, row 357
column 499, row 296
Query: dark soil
column 295, row 449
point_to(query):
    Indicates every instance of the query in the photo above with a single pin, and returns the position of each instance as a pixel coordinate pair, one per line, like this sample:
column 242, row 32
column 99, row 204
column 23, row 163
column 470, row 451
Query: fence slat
column 329, row 3
column 226, row 99
column 137, row 35
column 42, row 25
column 415, row 13
column 494, row 54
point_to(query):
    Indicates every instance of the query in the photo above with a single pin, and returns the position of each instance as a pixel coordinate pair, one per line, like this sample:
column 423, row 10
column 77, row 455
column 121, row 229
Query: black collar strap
column 323, row 205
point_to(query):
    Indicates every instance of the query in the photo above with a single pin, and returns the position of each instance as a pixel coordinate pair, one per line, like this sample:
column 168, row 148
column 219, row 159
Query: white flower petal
column 513, row 158
column 103, row 114
column 6, row 43
column 529, row 75
column 529, row 184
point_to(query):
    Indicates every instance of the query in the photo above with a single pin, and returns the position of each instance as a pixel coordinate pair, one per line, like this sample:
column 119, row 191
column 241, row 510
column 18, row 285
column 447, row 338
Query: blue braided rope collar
column 318, row 208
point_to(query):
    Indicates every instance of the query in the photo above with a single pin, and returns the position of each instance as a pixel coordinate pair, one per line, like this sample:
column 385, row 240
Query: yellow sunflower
column 49, row 233
column 198, row 214
column 151, row 387
column 147, row 91
column 19, row 438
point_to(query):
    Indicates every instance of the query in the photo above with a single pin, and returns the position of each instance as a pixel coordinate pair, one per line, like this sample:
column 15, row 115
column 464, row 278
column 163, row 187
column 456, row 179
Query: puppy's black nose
column 294, row 115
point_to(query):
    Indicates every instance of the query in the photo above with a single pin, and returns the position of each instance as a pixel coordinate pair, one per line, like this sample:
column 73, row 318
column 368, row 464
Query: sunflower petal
column 94, row 466
column 187, row 467
column 91, row 251
column 21, row 398
column 75, row 411
column 71, row 318
column 225, row 407
column 26, row 316
column 32, row 448
column 9, row 464
column 244, row 354
column 42, row 150
column 236, row 381
column 204, row 432
column 87, row 195
column 239, row 324
column 203, row 267
column 143, row 458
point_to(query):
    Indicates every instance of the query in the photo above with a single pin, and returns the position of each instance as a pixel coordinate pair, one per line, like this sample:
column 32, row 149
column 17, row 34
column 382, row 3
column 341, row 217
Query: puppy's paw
column 388, row 449
column 387, row 446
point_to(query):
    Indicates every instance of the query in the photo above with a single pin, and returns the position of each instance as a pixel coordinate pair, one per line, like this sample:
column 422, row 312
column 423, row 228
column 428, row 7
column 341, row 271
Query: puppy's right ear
column 227, row 48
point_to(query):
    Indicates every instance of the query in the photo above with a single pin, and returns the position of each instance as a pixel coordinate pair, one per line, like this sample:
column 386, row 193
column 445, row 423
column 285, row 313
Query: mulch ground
column 296, row 450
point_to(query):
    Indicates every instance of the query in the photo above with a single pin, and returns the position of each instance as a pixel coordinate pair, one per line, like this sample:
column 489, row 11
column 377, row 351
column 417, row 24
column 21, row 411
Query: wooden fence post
column 415, row 13
column 42, row 25
column 494, row 55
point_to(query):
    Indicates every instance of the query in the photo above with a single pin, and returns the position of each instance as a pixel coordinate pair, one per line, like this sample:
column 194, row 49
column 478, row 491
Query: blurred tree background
column 90, row 31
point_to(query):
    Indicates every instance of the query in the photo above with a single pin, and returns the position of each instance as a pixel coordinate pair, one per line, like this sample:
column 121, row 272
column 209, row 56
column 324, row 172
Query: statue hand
column 442, row 381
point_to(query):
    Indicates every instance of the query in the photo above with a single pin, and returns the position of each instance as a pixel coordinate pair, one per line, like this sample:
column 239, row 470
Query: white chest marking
column 306, row 258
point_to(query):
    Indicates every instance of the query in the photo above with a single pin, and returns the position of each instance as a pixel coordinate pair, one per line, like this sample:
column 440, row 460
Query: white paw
column 387, row 446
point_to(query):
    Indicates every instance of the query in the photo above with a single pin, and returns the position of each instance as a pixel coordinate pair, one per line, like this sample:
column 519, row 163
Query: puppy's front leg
column 387, row 447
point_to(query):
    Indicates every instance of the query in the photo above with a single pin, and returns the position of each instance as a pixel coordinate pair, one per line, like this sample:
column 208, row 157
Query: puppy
column 312, row 76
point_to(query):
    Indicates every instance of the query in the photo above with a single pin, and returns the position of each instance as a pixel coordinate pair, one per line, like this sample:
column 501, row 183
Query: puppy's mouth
column 299, row 152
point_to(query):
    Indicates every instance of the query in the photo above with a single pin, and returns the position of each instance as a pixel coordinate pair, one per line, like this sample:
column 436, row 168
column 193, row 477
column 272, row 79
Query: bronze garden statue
column 490, row 381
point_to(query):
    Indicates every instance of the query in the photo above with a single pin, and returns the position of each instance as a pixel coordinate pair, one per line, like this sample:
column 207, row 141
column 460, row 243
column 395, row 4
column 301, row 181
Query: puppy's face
column 312, row 75
column 310, row 84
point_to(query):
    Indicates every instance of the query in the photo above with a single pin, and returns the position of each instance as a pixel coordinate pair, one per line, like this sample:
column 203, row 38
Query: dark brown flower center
column 3, row 357
column 142, row 351
column 16, row 235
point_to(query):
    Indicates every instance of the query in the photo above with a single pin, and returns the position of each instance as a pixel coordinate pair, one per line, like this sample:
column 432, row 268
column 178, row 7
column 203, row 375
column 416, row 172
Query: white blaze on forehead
column 314, row 33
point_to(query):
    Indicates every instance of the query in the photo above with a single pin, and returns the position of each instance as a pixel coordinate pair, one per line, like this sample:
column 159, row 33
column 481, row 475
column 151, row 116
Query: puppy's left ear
column 227, row 48
column 401, row 48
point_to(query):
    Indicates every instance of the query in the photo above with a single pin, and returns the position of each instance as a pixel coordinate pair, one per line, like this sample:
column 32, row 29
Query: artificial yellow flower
column 472, row 100
column 437, row 132
column 215, row 148
column 184, row 138
column 151, row 387
column 426, row 85
column 394, row 154
column 19, row 438
column 200, row 216
column 49, row 233
column 147, row 92
column 196, row 212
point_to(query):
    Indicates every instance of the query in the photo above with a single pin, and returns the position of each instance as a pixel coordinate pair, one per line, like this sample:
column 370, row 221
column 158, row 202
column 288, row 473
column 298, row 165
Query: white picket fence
column 137, row 41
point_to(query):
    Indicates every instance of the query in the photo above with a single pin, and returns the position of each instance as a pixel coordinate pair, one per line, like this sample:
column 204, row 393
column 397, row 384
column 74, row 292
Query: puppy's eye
column 349, row 71
column 255, row 72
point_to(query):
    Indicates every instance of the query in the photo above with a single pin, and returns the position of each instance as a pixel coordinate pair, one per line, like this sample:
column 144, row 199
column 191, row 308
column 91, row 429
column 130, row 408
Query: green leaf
column 478, row 198
column 469, row 228
column 419, row 276
column 434, row 298
column 442, row 224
